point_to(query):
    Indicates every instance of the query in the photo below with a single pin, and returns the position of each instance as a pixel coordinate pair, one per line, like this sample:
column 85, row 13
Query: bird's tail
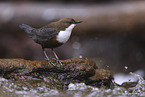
column 27, row 29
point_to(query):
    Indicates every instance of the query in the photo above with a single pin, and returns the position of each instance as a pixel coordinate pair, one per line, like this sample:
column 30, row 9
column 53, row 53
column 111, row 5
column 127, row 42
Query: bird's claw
column 57, row 60
column 50, row 62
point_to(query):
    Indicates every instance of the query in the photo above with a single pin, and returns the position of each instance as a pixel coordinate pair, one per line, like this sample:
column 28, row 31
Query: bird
column 51, row 35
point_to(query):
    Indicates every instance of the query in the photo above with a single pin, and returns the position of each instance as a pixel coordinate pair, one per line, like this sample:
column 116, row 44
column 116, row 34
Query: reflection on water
column 9, row 89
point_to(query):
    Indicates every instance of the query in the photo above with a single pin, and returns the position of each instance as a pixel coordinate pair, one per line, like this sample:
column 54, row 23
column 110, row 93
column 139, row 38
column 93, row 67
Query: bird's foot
column 58, row 61
column 50, row 62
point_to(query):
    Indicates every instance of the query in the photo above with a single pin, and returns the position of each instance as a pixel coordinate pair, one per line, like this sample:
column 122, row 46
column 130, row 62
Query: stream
column 10, row 89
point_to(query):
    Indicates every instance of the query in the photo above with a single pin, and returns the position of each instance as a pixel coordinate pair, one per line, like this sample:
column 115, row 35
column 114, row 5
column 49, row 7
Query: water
column 10, row 89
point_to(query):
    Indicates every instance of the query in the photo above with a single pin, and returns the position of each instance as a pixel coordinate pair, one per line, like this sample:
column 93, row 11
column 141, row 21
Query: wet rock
column 102, row 79
column 128, row 85
column 40, row 73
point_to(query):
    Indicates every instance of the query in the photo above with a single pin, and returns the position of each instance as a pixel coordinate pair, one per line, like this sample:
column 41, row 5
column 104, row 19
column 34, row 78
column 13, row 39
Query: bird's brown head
column 64, row 23
column 69, row 21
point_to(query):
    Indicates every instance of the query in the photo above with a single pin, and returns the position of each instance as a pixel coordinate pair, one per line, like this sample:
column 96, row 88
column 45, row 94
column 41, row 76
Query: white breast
column 63, row 36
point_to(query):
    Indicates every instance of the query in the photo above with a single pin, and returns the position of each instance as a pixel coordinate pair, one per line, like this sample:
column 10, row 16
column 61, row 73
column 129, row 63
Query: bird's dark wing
column 45, row 33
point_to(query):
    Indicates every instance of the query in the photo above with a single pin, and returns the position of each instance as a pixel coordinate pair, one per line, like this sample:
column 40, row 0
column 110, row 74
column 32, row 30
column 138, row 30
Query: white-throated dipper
column 52, row 35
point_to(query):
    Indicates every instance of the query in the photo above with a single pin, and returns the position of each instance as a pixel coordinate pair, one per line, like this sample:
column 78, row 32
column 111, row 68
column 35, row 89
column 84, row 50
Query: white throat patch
column 63, row 36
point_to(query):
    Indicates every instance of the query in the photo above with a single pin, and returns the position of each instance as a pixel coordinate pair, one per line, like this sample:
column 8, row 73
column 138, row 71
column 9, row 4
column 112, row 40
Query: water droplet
column 80, row 56
column 125, row 67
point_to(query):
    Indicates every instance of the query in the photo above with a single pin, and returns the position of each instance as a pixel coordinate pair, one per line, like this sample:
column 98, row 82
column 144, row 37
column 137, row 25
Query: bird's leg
column 56, row 56
column 50, row 63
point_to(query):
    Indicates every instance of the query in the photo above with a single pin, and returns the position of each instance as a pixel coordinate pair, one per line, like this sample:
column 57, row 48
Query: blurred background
column 112, row 33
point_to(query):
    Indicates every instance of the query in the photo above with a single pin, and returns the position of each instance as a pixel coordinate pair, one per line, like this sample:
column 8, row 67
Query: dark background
column 112, row 33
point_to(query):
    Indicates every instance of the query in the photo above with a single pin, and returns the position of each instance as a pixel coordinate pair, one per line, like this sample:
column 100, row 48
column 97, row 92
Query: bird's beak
column 76, row 22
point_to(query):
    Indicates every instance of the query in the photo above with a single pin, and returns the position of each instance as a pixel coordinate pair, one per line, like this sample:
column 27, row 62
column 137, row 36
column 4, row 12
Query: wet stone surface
column 34, row 74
